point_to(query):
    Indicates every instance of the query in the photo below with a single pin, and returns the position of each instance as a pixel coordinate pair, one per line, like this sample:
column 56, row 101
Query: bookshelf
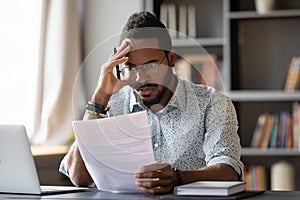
column 254, row 51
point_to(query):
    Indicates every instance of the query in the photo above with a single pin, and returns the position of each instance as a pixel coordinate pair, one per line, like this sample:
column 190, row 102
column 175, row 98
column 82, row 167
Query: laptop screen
column 17, row 168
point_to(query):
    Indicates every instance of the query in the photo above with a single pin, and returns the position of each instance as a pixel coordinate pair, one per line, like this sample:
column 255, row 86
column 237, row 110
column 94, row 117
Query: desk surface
column 95, row 194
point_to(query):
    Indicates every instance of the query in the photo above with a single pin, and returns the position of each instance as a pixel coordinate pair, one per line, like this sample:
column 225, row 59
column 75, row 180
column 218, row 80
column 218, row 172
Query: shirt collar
column 134, row 100
column 178, row 100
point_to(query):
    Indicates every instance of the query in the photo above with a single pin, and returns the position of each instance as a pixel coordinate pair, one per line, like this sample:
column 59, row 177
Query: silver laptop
column 17, row 168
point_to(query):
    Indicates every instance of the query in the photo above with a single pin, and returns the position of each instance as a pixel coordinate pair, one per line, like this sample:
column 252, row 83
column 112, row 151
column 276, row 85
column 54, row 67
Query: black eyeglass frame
column 120, row 71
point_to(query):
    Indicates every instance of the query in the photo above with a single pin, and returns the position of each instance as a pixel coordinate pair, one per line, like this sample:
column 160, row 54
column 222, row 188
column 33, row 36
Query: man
column 194, row 127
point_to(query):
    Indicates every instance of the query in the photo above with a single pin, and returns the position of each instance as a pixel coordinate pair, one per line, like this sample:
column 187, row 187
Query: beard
column 153, row 97
column 158, row 88
column 154, row 100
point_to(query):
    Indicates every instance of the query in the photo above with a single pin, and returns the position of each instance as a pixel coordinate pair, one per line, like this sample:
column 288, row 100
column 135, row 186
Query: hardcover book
column 210, row 188
column 293, row 76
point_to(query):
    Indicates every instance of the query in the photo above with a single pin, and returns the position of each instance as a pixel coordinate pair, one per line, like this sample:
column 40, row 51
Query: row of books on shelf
column 278, row 130
column 280, row 176
column 201, row 69
column 255, row 177
column 205, row 68
column 292, row 81
column 180, row 19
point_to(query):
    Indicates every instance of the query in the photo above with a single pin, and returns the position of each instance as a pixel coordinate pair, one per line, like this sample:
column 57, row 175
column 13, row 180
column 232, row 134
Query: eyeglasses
column 130, row 72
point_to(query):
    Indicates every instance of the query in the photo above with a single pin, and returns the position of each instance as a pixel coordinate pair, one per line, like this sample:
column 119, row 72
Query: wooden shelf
column 47, row 150
column 269, row 152
column 190, row 42
column 255, row 15
column 263, row 95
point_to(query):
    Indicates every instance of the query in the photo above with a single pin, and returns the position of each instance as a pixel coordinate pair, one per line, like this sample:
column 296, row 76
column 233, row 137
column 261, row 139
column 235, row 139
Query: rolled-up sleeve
column 222, row 143
column 64, row 166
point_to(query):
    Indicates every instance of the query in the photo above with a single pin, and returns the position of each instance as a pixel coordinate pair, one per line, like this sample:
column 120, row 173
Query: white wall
column 103, row 21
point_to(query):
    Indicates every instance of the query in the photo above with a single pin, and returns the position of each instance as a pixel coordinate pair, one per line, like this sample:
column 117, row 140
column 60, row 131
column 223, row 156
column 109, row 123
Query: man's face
column 150, row 84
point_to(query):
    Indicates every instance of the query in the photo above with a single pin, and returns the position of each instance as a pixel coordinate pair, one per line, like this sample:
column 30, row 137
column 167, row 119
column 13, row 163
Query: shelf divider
column 190, row 42
column 272, row 14
column 247, row 151
column 262, row 95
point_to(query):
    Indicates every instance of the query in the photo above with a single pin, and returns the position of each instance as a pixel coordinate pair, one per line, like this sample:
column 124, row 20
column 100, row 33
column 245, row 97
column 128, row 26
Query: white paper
column 113, row 149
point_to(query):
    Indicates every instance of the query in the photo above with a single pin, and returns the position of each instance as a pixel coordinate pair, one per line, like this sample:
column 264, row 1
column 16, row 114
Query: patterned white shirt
column 197, row 128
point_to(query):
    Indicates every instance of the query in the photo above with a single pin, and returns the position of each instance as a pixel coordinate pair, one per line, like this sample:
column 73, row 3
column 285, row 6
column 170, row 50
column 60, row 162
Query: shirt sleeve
column 64, row 166
column 222, row 143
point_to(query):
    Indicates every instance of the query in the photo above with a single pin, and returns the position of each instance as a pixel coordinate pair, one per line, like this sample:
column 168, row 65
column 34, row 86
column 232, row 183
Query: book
column 296, row 125
column 273, row 138
column 260, row 173
column 172, row 20
column 289, row 142
column 248, row 177
column 257, row 137
column 292, row 82
column 207, row 69
column 283, row 129
column 182, row 21
column 192, row 21
column 265, row 132
column 210, row 188
column 183, row 69
column 269, row 123
column 164, row 14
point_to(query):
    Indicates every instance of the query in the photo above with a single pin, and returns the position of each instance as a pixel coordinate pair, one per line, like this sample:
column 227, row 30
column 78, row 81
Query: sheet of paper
column 114, row 149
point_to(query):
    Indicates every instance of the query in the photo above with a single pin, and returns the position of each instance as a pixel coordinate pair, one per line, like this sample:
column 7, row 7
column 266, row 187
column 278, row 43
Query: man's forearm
column 77, row 171
column 219, row 172
column 76, row 168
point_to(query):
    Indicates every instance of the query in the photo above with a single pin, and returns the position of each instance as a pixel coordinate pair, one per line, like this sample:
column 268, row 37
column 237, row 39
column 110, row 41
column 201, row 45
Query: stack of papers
column 114, row 149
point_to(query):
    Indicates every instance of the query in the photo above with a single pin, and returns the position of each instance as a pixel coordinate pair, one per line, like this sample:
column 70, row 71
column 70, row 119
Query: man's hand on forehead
column 129, row 42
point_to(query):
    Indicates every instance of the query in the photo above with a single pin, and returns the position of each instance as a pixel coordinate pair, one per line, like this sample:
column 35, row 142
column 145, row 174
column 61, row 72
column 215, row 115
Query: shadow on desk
column 241, row 195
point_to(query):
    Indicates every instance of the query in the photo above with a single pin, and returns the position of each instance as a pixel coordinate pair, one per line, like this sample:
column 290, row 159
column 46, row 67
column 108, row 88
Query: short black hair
column 144, row 24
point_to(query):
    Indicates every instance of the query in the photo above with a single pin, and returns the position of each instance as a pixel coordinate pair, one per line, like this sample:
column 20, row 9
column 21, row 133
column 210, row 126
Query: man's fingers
column 153, row 167
column 157, row 190
column 123, row 45
column 155, row 183
column 153, row 174
column 122, row 50
column 116, row 62
column 147, row 184
column 163, row 176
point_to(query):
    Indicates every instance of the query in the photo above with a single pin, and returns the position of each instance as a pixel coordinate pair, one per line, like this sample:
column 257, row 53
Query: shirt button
column 155, row 145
